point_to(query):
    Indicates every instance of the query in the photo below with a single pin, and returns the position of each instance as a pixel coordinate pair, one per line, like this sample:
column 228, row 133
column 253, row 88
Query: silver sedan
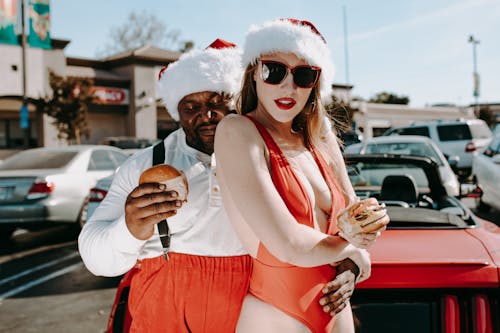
column 44, row 186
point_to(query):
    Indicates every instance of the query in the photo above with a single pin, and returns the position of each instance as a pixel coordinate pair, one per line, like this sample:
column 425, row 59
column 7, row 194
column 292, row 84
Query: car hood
column 435, row 259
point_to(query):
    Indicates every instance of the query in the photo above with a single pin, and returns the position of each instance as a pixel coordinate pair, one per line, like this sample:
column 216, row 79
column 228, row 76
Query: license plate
column 6, row 192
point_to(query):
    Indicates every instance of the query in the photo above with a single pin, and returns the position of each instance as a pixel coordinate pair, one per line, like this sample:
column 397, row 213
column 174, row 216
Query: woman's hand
column 362, row 222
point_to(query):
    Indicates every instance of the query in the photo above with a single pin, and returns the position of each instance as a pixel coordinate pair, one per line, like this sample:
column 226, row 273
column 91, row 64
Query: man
column 200, row 288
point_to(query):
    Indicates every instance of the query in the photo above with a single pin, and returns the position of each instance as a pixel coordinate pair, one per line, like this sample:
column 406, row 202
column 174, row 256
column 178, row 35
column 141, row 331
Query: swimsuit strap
column 274, row 149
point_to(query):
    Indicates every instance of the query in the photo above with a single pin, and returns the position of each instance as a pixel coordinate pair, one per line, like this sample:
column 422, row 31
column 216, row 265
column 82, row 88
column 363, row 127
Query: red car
column 437, row 267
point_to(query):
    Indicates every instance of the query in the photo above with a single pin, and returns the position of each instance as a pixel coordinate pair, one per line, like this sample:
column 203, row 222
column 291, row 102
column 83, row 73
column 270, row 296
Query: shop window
column 12, row 136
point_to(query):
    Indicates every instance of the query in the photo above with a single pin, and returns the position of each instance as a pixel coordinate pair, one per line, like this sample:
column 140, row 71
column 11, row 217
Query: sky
column 416, row 48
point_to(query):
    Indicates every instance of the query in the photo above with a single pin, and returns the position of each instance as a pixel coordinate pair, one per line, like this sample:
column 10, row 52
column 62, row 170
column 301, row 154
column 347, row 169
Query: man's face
column 199, row 114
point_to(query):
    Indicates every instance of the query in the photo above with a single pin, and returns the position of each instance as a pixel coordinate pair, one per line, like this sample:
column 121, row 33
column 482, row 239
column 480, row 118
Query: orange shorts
column 189, row 293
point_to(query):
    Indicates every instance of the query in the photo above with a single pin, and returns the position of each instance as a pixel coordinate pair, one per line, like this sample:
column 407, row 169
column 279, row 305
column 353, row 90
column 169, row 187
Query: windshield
column 365, row 175
column 404, row 148
column 38, row 159
column 406, row 189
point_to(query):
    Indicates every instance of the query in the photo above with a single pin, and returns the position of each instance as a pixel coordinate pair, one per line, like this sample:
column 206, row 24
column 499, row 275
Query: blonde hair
column 310, row 123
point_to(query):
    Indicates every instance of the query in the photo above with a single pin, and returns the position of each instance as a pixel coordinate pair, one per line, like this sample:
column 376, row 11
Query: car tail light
column 97, row 195
column 450, row 314
column 470, row 147
column 40, row 190
column 482, row 314
column 476, row 193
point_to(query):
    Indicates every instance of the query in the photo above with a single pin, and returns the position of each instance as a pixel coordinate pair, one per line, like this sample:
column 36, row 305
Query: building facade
column 126, row 102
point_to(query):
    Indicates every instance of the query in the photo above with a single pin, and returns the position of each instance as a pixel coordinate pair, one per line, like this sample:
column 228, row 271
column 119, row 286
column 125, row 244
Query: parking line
column 39, row 267
column 40, row 280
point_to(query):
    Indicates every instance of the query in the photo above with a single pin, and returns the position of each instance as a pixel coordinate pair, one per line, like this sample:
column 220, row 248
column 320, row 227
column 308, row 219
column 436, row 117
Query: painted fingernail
column 326, row 308
column 178, row 203
column 322, row 301
column 325, row 290
column 162, row 186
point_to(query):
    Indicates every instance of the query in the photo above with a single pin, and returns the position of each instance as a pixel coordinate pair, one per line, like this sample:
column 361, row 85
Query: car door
column 490, row 172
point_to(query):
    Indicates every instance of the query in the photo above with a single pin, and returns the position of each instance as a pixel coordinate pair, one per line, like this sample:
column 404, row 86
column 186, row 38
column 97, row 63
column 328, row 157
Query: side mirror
column 496, row 159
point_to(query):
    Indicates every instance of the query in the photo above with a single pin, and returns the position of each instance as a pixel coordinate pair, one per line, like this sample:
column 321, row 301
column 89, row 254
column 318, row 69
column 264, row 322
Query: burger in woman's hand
column 362, row 227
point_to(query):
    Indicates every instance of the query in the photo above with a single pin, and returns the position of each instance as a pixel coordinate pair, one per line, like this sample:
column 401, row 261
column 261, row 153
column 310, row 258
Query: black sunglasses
column 304, row 76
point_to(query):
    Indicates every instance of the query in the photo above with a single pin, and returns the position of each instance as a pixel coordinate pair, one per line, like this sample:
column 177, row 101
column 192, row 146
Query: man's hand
column 338, row 292
column 147, row 205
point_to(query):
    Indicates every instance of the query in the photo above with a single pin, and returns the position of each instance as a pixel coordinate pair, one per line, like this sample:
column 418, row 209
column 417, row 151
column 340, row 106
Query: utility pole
column 475, row 74
column 24, row 118
column 346, row 53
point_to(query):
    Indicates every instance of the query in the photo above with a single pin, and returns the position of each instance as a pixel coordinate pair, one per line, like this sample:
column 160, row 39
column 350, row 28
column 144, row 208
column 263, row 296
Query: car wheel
column 6, row 233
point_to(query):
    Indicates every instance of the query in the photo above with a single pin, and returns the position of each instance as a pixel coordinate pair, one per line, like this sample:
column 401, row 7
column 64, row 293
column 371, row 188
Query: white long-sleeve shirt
column 201, row 226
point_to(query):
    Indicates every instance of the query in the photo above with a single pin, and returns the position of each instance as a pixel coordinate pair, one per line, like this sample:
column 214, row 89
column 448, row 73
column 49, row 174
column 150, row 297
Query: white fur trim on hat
column 285, row 36
column 211, row 69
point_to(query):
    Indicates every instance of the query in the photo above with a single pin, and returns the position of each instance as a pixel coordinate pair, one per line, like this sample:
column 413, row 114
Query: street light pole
column 475, row 74
column 24, row 118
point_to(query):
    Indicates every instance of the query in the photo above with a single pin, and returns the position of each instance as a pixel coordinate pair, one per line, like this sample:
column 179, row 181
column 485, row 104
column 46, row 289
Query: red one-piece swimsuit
column 292, row 289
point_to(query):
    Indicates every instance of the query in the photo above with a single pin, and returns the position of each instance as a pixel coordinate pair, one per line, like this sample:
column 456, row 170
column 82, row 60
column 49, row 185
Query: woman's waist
column 291, row 280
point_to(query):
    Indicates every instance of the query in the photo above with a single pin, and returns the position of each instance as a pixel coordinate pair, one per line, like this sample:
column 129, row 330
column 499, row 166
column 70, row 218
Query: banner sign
column 110, row 96
column 39, row 31
column 8, row 21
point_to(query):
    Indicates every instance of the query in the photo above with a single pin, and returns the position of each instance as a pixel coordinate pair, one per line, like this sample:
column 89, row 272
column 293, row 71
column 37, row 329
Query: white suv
column 457, row 139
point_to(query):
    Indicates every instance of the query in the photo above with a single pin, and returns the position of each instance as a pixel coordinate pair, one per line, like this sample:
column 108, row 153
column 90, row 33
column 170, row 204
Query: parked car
column 410, row 145
column 94, row 197
column 486, row 172
column 351, row 136
column 130, row 144
column 496, row 129
column 44, row 186
column 457, row 139
column 97, row 193
column 437, row 267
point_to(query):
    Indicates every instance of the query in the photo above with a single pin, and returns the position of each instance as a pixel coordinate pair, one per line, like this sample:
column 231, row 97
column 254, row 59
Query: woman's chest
column 309, row 175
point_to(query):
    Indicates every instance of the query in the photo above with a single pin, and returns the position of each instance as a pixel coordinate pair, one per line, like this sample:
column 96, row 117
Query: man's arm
column 338, row 292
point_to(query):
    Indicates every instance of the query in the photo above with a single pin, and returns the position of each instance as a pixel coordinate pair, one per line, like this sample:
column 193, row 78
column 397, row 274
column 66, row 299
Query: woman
column 283, row 181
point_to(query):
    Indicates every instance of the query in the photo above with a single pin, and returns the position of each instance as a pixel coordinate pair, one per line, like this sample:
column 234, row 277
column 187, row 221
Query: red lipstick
column 285, row 103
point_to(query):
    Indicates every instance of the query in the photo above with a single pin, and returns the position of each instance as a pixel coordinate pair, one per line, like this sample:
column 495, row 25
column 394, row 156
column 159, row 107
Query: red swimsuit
column 292, row 289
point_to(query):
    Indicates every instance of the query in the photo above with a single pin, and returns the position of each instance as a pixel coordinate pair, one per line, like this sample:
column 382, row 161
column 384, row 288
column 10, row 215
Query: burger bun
column 174, row 179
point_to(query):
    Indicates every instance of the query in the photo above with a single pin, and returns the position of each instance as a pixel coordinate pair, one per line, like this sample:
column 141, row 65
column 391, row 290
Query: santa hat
column 291, row 36
column 216, row 68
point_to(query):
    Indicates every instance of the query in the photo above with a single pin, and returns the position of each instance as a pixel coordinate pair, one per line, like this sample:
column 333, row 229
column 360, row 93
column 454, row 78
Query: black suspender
column 163, row 229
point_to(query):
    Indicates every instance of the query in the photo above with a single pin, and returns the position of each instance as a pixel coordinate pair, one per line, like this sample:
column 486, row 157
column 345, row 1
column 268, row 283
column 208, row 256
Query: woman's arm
column 251, row 199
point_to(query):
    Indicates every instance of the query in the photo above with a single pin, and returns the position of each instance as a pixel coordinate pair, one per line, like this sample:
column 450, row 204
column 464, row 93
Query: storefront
column 126, row 101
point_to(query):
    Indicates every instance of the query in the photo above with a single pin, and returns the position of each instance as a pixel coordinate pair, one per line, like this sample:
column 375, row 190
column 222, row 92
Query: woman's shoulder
column 236, row 124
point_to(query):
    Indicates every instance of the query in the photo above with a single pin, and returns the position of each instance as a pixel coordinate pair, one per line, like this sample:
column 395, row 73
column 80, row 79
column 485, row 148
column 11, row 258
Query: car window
column 403, row 148
column 117, row 158
column 417, row 130
column 480, row 131
column 454, row 132
column 101, row 160
column 371, row 175
column 38, row 159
